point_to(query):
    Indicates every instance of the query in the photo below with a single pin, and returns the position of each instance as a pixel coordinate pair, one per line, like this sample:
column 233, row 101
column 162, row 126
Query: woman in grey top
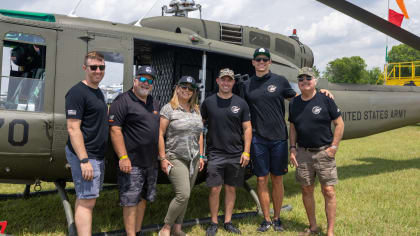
column 181, row 153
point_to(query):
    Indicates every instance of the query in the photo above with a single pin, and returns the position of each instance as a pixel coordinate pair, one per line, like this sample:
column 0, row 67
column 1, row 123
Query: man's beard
column 143, row 92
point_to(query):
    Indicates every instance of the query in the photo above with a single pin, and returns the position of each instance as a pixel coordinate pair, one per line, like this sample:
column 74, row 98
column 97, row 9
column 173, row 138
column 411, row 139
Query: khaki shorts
column 312, row 164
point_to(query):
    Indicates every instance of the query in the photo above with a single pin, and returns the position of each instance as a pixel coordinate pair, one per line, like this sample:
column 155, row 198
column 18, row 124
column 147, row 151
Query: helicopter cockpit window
column 285, row 48
column 261, row 40
column 112, row 83
column 23, row 72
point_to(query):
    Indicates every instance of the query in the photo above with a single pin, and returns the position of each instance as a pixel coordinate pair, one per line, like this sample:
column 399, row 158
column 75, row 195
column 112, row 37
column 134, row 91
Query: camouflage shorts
column 139, row 184
column 312, row 164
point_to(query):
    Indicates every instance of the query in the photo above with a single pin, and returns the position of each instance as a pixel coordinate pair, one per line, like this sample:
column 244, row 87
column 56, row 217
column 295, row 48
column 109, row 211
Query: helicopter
column 43, row 55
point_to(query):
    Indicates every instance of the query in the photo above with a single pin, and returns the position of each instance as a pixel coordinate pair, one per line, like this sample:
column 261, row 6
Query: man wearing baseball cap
column 265, row 93
column 310, row 116
column 229, row 139
column 134, row 120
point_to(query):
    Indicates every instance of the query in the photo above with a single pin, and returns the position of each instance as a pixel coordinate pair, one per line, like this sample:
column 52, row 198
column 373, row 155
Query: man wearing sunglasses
column 86, row 113
column 230, row 133
column 265, row 93
column 310, row 116
column 134, row 120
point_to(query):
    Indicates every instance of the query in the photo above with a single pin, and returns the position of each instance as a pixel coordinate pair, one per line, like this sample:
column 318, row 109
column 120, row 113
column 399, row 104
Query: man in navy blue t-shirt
column 310, row 116
column 87, row 124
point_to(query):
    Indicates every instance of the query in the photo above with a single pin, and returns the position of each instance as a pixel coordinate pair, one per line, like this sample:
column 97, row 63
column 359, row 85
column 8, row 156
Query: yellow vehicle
column 402, row 73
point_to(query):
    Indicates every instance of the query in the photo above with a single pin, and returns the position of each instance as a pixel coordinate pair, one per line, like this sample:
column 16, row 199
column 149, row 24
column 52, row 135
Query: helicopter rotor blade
column 374, row 21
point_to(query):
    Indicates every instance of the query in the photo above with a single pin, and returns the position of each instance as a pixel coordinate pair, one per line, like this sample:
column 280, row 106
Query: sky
column 327, row 32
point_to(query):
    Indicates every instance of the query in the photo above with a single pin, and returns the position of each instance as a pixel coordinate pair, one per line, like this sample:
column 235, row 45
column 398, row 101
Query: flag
column 395, row 17
column 402, row 7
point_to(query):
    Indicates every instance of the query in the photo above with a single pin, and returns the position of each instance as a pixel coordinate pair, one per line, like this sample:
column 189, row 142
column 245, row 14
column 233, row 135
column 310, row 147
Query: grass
column 378, row 194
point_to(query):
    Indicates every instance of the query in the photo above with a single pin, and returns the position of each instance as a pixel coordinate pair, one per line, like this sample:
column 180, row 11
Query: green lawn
column 378, row 194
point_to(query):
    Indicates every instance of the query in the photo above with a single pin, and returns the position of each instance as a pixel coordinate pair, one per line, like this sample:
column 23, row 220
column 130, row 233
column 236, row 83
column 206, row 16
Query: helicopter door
column 118, row 53
column 26, row 95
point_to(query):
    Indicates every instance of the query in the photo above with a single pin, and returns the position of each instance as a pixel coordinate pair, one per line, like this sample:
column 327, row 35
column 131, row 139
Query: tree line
column 354, row 70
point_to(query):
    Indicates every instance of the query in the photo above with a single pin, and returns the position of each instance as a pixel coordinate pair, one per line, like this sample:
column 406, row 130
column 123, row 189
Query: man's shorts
column 224, row 169
column 139, row 184
column 312, row 164
column 269, row 156
column 86, row 189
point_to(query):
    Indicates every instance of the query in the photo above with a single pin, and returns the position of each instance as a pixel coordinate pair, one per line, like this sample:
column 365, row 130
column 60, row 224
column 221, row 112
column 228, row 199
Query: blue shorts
column 86, row 189
column 269, row 156
column 139, row 184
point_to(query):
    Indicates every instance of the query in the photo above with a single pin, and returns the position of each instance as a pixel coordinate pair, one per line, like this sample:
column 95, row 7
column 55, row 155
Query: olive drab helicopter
column 42, row 55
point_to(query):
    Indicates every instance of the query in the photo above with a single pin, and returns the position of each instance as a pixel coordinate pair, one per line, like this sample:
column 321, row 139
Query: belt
column 318, row 149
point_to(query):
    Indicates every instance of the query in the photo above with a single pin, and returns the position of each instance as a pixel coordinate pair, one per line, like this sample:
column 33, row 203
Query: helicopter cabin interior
column 172, row 62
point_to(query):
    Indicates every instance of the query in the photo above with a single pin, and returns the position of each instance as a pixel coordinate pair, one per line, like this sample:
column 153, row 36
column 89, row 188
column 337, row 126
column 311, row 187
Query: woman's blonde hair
column 193, row 101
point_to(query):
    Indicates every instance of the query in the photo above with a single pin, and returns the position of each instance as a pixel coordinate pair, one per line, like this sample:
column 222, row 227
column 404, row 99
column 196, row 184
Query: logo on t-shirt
column 111, row 118
column 338, row 109
column 271, row 88
column 316, row 110
column 71, row 112
column 235, row 109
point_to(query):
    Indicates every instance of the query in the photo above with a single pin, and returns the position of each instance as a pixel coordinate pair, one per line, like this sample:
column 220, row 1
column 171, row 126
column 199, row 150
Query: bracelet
column 246, row 154
column 334, row 147
column 123, row 157
column 162, row 158
column 202, row 156
column 292, row 147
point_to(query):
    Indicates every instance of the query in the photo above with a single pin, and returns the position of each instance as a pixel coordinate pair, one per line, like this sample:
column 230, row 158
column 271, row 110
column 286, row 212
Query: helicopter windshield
column 23, row 72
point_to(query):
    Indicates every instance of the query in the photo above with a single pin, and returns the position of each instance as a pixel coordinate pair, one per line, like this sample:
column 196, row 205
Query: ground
column 378, row 194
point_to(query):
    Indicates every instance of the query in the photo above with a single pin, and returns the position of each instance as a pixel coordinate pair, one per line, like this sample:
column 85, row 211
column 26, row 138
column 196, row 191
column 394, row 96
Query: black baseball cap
column 187, row 80
column 146, row 70
column 262, row 51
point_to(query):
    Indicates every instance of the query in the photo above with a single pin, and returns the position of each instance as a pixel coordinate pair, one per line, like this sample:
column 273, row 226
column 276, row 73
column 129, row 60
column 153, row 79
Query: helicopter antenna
column 138, row 22
column 73, row 13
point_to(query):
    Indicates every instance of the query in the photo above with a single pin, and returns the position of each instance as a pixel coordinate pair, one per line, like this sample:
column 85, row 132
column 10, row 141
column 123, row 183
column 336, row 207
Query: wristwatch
column 84, row 160
column 334, row 147
column 161, row 158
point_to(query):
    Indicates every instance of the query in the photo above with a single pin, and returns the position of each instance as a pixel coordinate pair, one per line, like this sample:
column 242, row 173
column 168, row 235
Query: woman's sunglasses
column 189, row 87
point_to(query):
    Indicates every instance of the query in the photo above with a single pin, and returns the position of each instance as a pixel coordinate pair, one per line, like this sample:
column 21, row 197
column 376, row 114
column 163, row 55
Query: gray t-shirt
column 183, row 133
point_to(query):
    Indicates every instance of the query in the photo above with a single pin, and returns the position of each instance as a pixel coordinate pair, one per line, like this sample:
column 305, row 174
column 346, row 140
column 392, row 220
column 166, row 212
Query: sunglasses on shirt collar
column 143, row 79
column 95, row 67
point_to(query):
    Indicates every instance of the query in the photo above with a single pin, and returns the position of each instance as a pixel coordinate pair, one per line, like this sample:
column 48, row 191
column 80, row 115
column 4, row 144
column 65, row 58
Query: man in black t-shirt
column 310, row 116
column 86, row 113
column 265, row 93
column 134, row 120
column 229, row 139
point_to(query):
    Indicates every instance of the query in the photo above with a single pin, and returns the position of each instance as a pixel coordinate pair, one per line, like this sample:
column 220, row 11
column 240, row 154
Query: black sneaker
column 212, row 229
column 140, row 233
column 231, row 228
column 264, row 226
column 277, row 225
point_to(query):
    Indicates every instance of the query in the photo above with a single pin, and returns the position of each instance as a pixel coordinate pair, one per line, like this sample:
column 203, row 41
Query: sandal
column 308, row 232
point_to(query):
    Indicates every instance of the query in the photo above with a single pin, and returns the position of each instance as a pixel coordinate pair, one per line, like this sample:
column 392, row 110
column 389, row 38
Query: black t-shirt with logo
column 139, row 122
column 88, row 105
column 312, row 120
column 225, row 118
column 265, row 96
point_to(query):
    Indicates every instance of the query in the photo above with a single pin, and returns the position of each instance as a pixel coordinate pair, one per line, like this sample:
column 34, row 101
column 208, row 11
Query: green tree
column 316, row 71
column 352, row 70
column 403, row 53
